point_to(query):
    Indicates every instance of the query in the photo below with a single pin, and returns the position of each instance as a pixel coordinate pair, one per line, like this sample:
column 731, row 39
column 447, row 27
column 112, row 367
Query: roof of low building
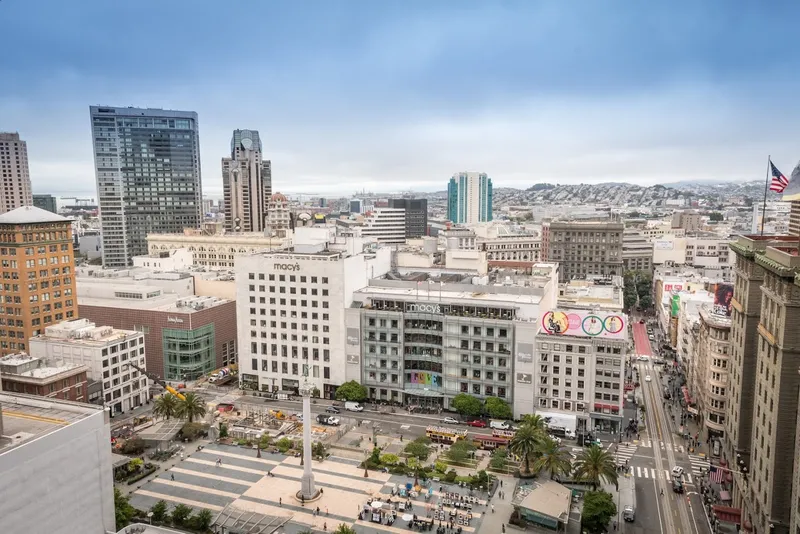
column 30, row 215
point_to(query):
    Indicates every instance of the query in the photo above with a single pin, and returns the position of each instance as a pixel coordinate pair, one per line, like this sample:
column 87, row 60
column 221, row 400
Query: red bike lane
column 641, row 340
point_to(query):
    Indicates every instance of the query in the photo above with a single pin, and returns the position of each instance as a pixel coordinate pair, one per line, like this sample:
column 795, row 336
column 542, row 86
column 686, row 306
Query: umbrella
column 407, row 517
column 376, row 504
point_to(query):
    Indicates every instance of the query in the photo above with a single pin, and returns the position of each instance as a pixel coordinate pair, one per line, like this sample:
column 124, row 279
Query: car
column 333, row 421
column 647, row 378
column 644, row 358
column 555, row 438
column 333, row 409
column 450, row 420
column 651, row 337
column 477, row 423
column 641, row 321
column 677, row 471
column 677, row 485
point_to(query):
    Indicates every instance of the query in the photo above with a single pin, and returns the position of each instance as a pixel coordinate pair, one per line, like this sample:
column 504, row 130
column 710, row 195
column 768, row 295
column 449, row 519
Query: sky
column 391, row 96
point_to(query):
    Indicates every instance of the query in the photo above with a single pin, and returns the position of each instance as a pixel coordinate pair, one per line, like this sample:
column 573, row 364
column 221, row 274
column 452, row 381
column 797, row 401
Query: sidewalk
column 191, row 448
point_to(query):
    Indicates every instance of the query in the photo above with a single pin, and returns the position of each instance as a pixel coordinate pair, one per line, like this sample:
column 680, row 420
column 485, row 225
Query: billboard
column 426, row 379
column 675, row 305
column 673, row 288
column 524, row 352
column 585, row 324
column 723, row 295
column 663, row 244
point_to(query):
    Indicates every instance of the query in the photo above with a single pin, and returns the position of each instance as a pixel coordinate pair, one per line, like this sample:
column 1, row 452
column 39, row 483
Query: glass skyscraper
column 147, row 167
column 469, row 198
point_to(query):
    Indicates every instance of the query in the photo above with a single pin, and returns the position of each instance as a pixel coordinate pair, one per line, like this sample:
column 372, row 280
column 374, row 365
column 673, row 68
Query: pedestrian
column 280, row 502
column 326, row 510
column 503, row 526
column 501, row 483
column 492, row 508
column 181, row 455
column 172, row 476
column 325, row 527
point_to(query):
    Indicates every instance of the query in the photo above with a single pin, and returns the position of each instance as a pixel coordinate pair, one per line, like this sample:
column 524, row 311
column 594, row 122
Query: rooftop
column 548, row 498
column 84, row 332
column 163, row 303
column 30, row 215
column 715, row 317
column 26, row 417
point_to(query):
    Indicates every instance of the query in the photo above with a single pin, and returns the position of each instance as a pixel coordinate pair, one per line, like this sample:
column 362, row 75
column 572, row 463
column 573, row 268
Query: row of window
column 273, row 366
column 282, row 278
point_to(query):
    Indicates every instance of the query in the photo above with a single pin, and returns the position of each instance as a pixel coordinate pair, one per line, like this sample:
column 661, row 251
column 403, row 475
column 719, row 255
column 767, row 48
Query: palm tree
column 595, row 465
column 552, row 458
column 344, row 529
column 525, row 444
column 165, row 405
column 191, row 407
column 535, row 421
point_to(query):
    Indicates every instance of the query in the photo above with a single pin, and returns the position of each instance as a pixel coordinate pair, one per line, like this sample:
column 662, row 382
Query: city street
column 660, row 449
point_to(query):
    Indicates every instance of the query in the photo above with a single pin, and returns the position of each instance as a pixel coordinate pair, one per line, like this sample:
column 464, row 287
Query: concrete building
column 422, row 338
column 16, row 186
column 214, row 251
column 104, row 351
column 185, row 336
column 584, row 248
column 689, row 221
column 290, row 305
column 598, row 294
column 179, row 259
column 416, row 210
column 637, row 252
column 56, row 463
column 147, row 166
column 707, row 374
column 36, row 266
column 279, row 217
column 246, row 183
column 469, row 198
column 385, row 225
column 794, row 218
column 46, row 202
column 356, row 206
column 23, row 373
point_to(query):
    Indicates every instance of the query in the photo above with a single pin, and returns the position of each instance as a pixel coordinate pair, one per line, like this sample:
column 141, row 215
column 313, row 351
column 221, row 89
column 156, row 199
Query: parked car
column 353, row 407
column 555, row 438
column 450, row 420
column 477, row 423
column 332, row 409
column 499, row 425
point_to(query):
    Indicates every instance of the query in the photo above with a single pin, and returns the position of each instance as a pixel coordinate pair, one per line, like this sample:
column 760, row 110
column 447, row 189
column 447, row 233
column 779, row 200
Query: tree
column 344, row 529
column 467, row 405
column 646, row 301
column 165, row 406
column 498, row 408
column 133, row 446
column 264, row 441
column 595, row 465
column 461, row 451
column 716, row 216
column 351, row 391
column 180, row 514
column 598, row 510
column 159, row 510
column 123, row 511
column 202, row 520
column 389, row 459
column 536, row 421
column 134, row 465
column 499, row 459
column 418, row 449
column 191, row 407
column 525, row 444
column 552, row 459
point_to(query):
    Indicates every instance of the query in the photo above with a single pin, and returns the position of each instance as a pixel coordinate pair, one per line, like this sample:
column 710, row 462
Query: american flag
column 715, row 474
column 779, row 181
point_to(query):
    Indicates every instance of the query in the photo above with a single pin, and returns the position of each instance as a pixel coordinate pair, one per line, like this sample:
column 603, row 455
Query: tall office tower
column 38, row 265
column 584, row 248
column 416, row 214
column 469, row 198
column 16, row 190
column 147, row 166
column 46, row 202
column 247, row 183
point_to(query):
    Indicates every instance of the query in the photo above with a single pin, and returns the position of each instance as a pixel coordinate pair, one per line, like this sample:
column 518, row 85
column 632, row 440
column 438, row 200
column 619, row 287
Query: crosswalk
column 651, row 473
column 646, row 443
column 700, row 464
column 624, row 452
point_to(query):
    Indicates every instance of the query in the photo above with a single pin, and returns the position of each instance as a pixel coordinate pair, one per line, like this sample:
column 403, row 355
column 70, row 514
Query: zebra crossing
column 657, row 474
column 646, row 443
column 624, row 452
column 699, row 463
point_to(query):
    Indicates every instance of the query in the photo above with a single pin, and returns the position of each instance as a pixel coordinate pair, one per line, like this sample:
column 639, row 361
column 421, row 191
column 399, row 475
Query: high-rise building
column 385, row 225
column 147, row 166
column 46, row 202
column 794, row 218
column 469, row 198
column 16, row 185
column 279, row 217
column 416, row 215
column 356, row 205
column 247, row 183
column 37, row 265
column 584, row 248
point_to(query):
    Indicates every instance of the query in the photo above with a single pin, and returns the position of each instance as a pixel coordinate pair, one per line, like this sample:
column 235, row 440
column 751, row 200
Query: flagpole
column 766, row 188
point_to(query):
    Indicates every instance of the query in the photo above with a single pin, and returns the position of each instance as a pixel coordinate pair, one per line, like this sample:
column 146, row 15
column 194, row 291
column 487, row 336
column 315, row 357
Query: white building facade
column 386, row 225
column 106, row 352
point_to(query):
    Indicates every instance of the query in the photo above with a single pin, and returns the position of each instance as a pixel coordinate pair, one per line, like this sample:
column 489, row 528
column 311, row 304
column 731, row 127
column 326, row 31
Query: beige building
column 214, row 251
column 637, row 252
column 708, row 376
column 16, row 185
column 246, row 183
column 690, row 221
column 585, row 248
column 794, row 218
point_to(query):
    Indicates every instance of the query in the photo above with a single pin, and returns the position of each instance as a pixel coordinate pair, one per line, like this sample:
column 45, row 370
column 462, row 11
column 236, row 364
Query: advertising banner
column 676, row 305
column 723, row 295
column 585, row 324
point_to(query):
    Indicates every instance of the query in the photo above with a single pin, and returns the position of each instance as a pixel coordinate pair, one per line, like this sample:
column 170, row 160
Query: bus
column 508, row 434
column 442, row 434
column 490, row 443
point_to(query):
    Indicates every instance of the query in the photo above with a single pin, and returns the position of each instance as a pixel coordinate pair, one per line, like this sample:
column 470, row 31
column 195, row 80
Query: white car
column 677, row 471
column 333, row 421
column 647, row 378
column 555, row 438
column 644, row 358
column 450, row 421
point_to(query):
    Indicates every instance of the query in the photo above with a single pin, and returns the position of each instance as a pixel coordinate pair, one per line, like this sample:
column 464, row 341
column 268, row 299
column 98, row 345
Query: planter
column 144, row 473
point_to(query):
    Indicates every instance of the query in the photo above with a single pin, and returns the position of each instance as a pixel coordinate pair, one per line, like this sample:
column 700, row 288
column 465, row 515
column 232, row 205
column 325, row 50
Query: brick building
column 21, row 373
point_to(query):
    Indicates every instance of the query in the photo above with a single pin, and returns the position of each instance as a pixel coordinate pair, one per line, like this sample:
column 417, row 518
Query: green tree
column 191, row 407
column 202, row 520
column 135, row 464
column 536, row 421
column 499, row 459
column 159, row 510
column 165, row 406
column 467, row 405
column 525, row 444
column 123, row 511
column 418, row 449
column 498, row 408
column 264, row 441
column 461, row 451
column 552, row 458
column 180, row 514
column 595, row 465
column 351, row 391
column 389, row 459
column 344, row 529
column 223, row 430
column 716, row 216
column 598, row 510
column 646, row 301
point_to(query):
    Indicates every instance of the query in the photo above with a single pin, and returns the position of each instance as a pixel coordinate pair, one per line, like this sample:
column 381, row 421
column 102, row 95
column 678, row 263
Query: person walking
column 280, row 502
column 493, row 507
column 172, row 476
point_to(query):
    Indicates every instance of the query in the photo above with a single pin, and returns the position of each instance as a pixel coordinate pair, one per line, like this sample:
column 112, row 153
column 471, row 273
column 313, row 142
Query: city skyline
column 649, row 97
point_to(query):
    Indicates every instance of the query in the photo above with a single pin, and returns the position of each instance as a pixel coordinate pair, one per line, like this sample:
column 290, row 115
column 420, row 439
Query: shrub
column 389, row 459
column 159, row 510
column 284, row 444
column 192, row 431
column 223, row 430
column 180, row 514
column 133, row 446
column 265, row 440
column 202, row 520
column 451, row 476
column 144, row 473
column 318, row 450
column 499, row 459
column 440, row 466
column 134, row 465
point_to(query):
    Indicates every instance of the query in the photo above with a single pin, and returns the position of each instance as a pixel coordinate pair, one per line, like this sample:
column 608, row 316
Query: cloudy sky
column 398, row 95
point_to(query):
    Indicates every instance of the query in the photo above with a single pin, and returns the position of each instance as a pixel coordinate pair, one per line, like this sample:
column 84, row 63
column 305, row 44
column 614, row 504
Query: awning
column 569, row 422
column 610, row 407
column 686, row 396
column 727, row 513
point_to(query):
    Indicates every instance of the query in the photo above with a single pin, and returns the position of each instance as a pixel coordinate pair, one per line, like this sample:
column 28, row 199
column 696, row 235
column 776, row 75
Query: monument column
column 307, row 489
